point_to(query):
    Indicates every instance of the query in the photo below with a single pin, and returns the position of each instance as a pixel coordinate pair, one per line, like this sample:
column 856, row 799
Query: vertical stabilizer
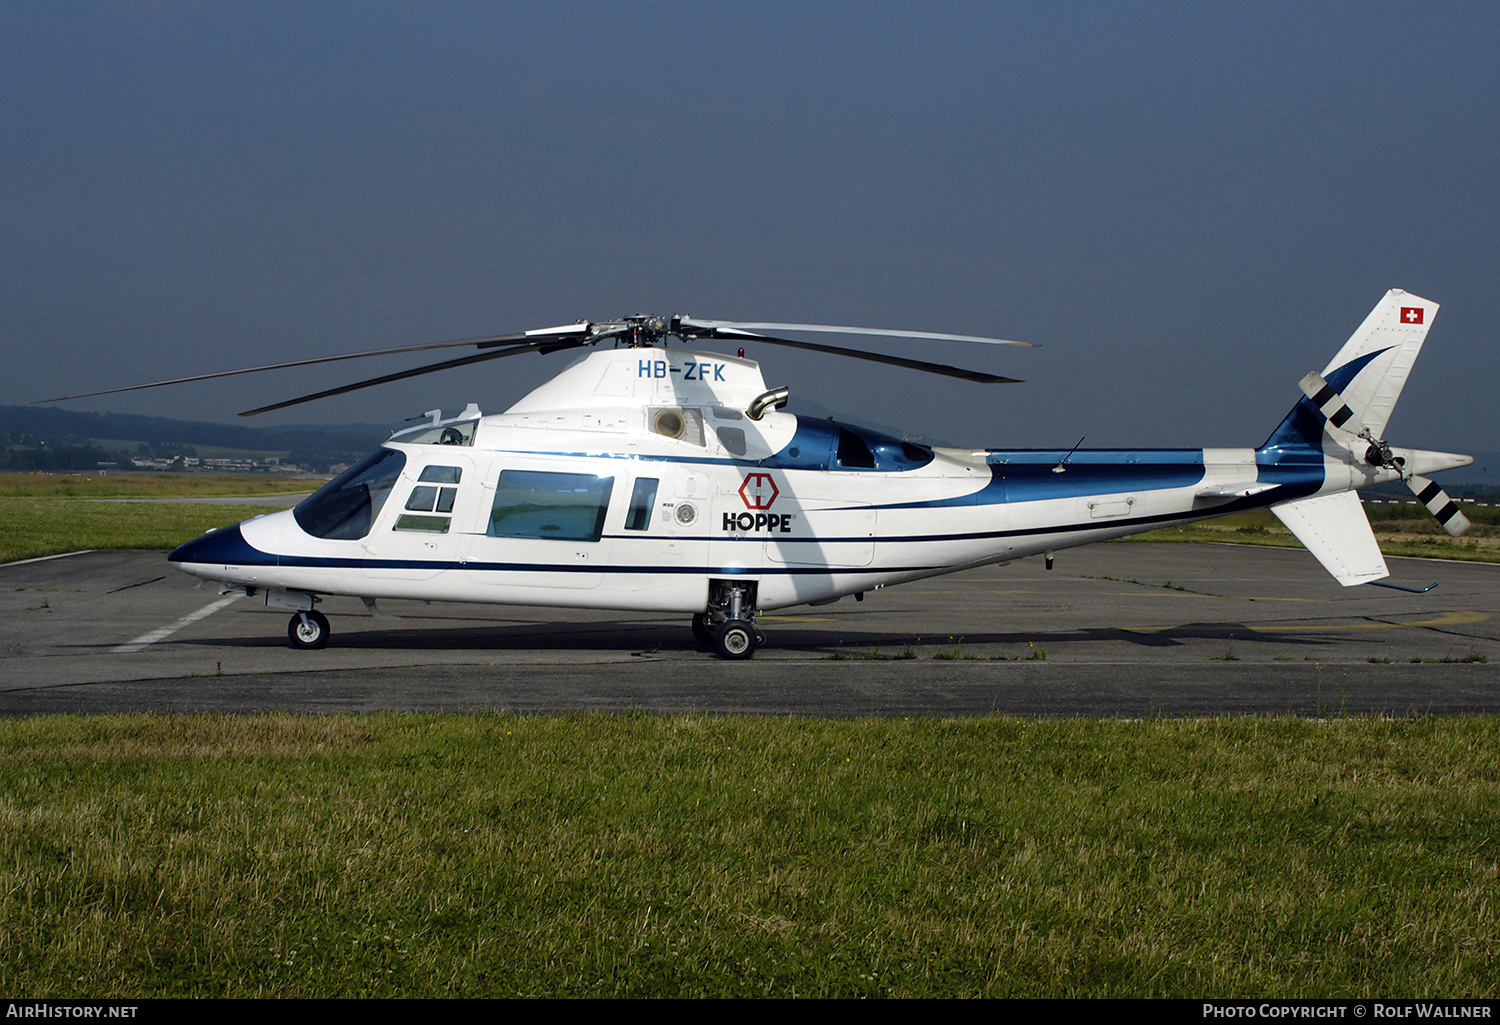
column 1372, row 367
column 1368, row 372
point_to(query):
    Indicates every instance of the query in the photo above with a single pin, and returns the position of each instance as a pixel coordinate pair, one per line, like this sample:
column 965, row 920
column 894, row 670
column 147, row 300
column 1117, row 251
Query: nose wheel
column 308, row 630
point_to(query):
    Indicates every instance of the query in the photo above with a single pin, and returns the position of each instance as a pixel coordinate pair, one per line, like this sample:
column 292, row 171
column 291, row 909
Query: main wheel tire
column 702, row 628
column 735, row 639
column 310, row 633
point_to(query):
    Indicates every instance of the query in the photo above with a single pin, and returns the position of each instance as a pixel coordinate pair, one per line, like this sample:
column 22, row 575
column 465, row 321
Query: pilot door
column 421, row 529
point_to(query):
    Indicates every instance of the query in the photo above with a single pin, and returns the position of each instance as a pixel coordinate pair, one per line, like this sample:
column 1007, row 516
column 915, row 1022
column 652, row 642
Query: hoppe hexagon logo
column 759, row 491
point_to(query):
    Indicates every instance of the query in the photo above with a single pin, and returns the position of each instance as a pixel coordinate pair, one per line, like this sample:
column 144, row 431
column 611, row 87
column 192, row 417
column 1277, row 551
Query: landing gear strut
column 728, row 625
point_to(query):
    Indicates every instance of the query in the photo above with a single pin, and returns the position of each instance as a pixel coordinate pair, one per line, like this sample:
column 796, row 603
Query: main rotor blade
column 879, row 357
column 483, row 343
column 738, row 325
column 548, row 345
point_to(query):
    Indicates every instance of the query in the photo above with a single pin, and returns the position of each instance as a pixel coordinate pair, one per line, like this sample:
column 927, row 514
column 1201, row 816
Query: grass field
column 1399, row 530
column 150, row 485
column 637, row 855
column 47, row 514
column 30, row 528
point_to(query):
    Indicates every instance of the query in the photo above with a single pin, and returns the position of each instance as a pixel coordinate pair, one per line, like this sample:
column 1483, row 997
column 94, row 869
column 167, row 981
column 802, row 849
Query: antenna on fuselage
column 1060, row 468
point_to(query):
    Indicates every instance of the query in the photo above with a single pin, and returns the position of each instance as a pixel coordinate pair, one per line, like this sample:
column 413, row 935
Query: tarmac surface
column 1125, row 630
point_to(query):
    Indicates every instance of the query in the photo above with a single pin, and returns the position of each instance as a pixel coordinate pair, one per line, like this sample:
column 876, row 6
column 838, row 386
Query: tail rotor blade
column 1330, row 403
column 1443, row 508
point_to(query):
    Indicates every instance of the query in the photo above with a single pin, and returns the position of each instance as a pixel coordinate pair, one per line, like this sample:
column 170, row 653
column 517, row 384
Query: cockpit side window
column 429, row 498
column 442, row 474
column 345, row 508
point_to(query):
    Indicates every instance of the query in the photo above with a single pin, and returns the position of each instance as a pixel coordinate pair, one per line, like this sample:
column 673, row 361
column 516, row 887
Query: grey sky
column 1188, row 206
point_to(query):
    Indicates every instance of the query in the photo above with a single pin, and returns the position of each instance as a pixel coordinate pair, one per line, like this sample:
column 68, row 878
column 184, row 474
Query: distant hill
column 47, row 438
column 52, row 423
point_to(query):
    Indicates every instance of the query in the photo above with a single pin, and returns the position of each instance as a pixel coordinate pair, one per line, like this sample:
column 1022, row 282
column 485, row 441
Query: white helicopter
column 646, row 479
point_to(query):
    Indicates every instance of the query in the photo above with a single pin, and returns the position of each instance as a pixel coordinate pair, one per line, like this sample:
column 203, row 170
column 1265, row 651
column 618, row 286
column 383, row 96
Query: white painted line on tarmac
column 146, row 640
column 44, row 558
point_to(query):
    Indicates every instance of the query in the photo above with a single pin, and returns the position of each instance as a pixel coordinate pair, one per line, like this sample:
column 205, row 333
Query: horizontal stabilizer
column 1238, row 489
column 1335, row 529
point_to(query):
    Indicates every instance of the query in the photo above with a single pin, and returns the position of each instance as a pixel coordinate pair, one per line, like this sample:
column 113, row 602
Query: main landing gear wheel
column 736, row 639
column 308, row 630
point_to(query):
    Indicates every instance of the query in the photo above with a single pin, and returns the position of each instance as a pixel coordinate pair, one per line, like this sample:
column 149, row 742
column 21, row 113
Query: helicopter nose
column 223, row 547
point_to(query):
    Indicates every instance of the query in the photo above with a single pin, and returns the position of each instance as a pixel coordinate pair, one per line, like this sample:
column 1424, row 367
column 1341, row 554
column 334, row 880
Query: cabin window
column 638, row 517
column 345, row 508
column 551, row 506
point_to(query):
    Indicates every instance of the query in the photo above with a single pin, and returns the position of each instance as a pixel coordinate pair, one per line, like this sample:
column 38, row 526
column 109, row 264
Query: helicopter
column 643, row 478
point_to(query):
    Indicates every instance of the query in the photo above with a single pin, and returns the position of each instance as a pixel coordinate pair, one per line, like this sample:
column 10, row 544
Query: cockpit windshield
column 345, row 508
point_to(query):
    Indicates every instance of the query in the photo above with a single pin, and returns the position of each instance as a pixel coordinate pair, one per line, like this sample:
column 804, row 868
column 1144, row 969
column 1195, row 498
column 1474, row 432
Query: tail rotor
column 1379, row 454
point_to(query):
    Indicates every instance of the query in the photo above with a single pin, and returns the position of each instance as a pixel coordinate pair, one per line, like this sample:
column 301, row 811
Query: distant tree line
column 48, row 439
column 51, row 458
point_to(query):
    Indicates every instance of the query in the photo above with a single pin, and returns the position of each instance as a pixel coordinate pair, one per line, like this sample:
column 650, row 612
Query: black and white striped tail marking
column 1329, row 402
column 1439, row 504
column 1332, row 405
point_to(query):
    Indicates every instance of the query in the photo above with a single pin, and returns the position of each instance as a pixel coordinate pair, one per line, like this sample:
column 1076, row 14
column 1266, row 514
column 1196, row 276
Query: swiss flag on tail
column 1411, row 314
